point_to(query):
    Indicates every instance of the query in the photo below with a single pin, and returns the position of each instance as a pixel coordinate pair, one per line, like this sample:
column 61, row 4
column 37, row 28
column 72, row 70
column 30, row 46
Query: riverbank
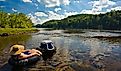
column 16, row 31
column 77, row 31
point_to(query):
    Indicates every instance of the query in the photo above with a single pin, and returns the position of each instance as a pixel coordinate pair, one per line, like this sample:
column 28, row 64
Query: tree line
column 108, row 21
column 14, row 20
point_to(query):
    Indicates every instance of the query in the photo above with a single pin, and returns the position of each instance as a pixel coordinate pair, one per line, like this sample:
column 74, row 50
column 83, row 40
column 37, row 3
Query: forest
column 107, row 21
column 14, row 20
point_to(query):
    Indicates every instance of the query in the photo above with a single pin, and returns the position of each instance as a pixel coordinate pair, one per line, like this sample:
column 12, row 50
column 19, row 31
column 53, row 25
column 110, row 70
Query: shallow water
column 75, row 52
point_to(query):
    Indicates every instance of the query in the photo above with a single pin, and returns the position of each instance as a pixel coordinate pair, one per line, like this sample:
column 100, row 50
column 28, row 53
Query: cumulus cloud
column 98, row 6
column 41, row 14
column 27, row 0
column 70, row 13
column 38, row 17
column 101, row 6
column 77, row 1
column 53, row 15
column 102, row 3
column 115, row 8
column 14, row 10
column 54, row 3
column 91, row 12
column 57, row 9
column 50, row 16
column 34, row 19
column 66, row 2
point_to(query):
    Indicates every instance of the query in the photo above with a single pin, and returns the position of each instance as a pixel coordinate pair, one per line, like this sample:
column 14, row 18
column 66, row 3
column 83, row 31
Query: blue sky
column 41, row 11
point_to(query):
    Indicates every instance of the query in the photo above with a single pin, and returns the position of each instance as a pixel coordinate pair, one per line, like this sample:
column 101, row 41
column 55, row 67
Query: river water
column 75, row 52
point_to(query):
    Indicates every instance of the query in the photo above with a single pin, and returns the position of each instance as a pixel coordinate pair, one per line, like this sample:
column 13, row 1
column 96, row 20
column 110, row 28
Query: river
column 75, row 52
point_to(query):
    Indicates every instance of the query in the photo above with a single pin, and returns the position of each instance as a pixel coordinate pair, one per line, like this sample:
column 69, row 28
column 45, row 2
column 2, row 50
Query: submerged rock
column 4, row 34
column 98, row 65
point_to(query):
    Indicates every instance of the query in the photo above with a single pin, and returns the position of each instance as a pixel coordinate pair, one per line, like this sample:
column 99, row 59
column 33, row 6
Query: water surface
column 75, row 52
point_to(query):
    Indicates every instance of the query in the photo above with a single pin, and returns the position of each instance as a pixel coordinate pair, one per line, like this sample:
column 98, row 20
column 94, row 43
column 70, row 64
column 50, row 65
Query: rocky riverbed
column 74, row 51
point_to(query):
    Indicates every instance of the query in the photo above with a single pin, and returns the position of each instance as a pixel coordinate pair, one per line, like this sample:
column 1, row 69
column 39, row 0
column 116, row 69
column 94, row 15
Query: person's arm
column 27, row 50
column 33, row 51
column 23, row 56
column 37, row 51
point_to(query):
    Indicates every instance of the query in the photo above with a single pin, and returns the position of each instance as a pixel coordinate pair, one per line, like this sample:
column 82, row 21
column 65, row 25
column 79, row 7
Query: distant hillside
column 108, row 21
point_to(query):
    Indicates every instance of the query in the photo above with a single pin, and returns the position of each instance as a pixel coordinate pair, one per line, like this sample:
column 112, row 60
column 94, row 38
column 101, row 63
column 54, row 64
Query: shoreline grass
column 15, row 31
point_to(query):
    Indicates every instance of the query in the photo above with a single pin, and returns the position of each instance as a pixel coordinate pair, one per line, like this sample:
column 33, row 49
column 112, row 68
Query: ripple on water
column 74, row 52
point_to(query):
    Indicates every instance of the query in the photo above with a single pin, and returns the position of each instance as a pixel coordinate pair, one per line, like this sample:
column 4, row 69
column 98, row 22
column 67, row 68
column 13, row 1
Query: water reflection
column 95, row 46
column 6, row 42
column 74, row 52
column 79, row 52
column 10, row 40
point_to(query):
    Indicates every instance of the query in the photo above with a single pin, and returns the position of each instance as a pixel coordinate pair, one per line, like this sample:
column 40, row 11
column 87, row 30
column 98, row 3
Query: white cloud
column 51, row 16
column 55, row 16
column 13, row 9
column 41, row 14
column 54, row 3
column 77, row 1
column 70, row 13
column 106, row 2
column 34, row 19
column 91, row 12
column 36, row 5
column 2, row 0
column 115, row 8
column 27, row 0
column 86, row 12
column 108, row 10
column 98, row 6
column 66, row 2
column 57, row 9
column 102, row 3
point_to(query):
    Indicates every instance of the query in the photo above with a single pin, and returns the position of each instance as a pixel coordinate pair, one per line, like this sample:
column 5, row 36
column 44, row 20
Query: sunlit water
column 74, row 51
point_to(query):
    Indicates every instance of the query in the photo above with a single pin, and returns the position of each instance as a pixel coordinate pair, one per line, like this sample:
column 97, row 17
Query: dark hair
column 15, row 49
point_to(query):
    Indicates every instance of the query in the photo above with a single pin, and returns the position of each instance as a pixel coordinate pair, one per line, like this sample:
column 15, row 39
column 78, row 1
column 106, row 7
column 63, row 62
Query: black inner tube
column 23, row 62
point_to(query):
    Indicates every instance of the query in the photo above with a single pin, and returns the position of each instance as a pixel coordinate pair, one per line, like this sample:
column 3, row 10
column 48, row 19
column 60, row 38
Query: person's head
column 16, row 49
